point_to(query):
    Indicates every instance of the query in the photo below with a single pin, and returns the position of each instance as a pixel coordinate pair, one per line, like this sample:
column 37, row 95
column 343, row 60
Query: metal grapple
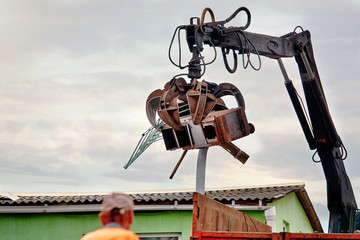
column 195, row 116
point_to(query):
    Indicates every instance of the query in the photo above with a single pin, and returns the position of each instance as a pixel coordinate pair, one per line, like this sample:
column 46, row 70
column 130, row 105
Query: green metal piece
column 147, row 138
column 153, row 135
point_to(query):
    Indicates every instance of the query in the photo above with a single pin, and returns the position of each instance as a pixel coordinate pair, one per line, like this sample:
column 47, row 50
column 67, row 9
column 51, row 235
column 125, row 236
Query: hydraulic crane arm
column 320, row 132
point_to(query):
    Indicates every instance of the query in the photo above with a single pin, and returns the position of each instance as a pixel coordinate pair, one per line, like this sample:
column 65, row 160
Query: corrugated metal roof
column 244, row 194
column 19, row 202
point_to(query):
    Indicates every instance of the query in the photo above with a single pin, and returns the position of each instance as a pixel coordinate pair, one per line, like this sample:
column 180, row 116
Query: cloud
column 75, row 77
column 323, row 215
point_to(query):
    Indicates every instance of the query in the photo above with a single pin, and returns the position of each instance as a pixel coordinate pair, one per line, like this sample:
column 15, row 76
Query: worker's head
column 119, row 208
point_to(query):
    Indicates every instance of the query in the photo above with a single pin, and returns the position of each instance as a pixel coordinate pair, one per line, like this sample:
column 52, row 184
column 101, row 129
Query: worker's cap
column 117, row 200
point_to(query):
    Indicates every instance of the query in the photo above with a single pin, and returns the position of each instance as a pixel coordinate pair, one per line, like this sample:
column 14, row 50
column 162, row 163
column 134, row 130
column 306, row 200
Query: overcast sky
column 75, row 76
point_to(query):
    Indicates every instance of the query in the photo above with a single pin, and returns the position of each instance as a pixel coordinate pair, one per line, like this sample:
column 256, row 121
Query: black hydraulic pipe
column 316, row 100
column 300, row 114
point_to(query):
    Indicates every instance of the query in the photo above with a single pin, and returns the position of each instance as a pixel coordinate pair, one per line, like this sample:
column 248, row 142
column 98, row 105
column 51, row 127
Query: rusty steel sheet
column 229, row 124
column 215, row 221
column 211, row 215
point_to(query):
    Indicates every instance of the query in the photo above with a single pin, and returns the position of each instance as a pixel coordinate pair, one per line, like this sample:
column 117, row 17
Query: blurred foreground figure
column 117, row 214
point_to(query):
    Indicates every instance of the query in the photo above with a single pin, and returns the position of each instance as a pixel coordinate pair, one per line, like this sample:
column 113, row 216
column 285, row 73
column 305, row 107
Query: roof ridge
column 162, row 191
column 257, row 186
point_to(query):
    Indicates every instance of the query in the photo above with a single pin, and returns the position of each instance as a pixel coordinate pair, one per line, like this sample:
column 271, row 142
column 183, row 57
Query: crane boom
column 320, row 133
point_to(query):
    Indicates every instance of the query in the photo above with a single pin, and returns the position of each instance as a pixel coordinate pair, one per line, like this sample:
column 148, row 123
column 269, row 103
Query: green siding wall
column 164, row 222
column 46, row 226
column 73, row 226
column 258, row 215
column 289, row 210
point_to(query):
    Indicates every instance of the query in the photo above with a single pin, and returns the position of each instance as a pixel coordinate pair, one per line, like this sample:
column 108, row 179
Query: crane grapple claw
column 195, row 115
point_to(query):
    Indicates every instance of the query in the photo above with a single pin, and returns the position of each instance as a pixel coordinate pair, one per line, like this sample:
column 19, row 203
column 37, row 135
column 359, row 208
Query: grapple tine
column 152, row 105
column 169, row 110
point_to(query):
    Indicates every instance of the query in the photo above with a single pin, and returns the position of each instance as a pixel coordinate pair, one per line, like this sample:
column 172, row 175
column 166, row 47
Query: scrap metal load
column 195, row 116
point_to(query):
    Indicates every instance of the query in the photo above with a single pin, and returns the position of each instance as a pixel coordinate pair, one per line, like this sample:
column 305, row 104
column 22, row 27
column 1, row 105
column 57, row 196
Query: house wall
column 290, row 211
column 46, row 226
column 72, row 226
column 164, row 222
column 258, row 214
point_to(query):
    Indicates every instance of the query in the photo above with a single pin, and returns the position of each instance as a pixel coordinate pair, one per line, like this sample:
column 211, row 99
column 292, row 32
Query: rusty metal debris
column 195, row 115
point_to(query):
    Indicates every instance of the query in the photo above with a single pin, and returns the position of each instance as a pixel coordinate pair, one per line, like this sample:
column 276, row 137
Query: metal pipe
column 297, row 105
column 200, row 170
column 178, row 164
column 307, row 65
column 283, row 70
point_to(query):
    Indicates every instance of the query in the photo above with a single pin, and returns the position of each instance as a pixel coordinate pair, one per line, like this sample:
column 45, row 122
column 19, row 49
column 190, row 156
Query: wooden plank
column 210, row 215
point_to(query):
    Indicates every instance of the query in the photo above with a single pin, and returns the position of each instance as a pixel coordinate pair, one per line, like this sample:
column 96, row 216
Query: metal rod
column 200, row 170
column 235, row 151
column 307, row 65
column 283, row 70
column 178, row 164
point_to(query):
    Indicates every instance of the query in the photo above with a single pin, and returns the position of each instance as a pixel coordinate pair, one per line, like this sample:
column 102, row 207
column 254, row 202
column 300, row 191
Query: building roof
column 70, row 202
column 263, row 193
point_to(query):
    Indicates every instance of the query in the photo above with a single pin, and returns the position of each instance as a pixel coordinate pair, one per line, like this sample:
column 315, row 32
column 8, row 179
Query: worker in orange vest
column 116, row 216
